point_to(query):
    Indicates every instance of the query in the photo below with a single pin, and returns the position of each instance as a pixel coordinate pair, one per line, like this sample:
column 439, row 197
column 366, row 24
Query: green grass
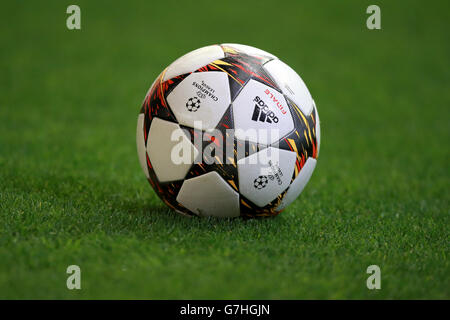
column 72, row 191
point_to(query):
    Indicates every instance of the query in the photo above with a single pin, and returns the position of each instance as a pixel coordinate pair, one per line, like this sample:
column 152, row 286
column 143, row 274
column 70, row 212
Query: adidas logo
column 264, row 114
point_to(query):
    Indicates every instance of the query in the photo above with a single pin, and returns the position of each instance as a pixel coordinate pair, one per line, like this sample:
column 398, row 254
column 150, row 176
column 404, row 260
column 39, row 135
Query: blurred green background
column 72, row 191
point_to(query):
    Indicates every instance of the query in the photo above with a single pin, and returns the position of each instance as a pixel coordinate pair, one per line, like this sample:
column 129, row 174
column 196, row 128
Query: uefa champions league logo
column 193, row 104
column 260, row 182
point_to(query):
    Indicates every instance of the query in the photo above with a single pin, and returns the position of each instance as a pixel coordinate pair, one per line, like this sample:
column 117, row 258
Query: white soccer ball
column 228, row 130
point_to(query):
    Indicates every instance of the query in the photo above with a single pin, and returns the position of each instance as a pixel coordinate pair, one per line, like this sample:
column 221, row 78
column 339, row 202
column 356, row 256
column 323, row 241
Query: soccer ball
column 228, row 130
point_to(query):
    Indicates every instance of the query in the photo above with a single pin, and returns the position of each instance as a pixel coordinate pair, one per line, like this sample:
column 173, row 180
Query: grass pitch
column 72, row 191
